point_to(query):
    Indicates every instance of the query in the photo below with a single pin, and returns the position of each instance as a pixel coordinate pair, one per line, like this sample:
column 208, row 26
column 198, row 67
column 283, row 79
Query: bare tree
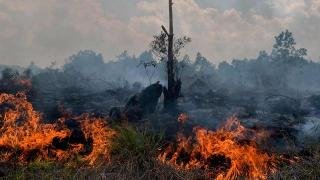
column 168, row 48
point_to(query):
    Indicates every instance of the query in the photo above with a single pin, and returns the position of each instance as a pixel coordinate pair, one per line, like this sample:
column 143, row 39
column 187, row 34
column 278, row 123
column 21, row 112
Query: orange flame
column 183, row 118
column 101, row 135
column 21, row 127
column 21, row 130
column 25, row 82
column 230, row 152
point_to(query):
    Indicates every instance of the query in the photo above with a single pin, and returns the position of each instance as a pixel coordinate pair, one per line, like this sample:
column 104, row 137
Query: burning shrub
column 227, row 153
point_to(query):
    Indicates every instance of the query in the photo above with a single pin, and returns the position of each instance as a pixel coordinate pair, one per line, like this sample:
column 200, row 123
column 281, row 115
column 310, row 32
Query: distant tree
column 201, row 63
column 27, row 73
column 86, row 62
column 226, row 72
column 147, row 57
column 184, row 63
column 126, row 58
column 185, row 66
column 85, row 69
column 263, row 56
column 33, row 68
column 285, row 58
column 284, row 47
column 123, row 55
column 10, row 74
column 186, row 59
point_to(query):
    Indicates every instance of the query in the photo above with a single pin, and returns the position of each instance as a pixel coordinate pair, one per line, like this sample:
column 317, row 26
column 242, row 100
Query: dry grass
column 307, row 167
column 134, row 156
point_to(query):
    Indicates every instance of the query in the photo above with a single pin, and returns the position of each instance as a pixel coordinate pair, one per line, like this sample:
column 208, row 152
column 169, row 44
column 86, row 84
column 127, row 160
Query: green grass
column 40, row 170
column 131, row 141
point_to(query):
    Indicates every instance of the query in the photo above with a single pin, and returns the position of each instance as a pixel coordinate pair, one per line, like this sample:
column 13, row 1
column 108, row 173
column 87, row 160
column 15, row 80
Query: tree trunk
column 174, row 85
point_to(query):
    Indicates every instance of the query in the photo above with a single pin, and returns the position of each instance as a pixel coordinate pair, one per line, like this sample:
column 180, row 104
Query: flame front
column 101, row 135
column 228, row 153
column 23, row 134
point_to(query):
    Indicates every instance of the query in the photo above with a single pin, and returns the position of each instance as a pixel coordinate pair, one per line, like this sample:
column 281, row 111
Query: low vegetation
column 134, row 156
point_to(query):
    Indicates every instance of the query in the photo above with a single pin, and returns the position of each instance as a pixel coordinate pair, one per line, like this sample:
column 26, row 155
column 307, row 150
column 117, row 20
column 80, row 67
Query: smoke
column 273, row 90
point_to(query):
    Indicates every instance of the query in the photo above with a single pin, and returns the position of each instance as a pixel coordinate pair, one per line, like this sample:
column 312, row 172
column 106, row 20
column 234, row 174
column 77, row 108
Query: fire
column 183, row 118
column 25, row 82
column 21, row 128
column 23, row 134
column 228, row 153
column 101, row 134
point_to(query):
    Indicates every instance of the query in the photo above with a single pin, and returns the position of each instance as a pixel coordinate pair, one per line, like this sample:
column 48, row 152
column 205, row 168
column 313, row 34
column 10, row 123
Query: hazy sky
column 44, row 31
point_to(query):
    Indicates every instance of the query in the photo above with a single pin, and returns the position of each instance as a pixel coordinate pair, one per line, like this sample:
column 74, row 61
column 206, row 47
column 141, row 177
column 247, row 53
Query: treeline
column 284, row 69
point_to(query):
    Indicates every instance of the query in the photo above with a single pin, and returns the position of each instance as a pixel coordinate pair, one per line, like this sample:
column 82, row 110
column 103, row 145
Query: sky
column 52, row 30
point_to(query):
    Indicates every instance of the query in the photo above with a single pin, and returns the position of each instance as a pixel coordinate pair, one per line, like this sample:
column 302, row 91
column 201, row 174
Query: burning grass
column 85, row 147
column 23, row 135
column 228, row 153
